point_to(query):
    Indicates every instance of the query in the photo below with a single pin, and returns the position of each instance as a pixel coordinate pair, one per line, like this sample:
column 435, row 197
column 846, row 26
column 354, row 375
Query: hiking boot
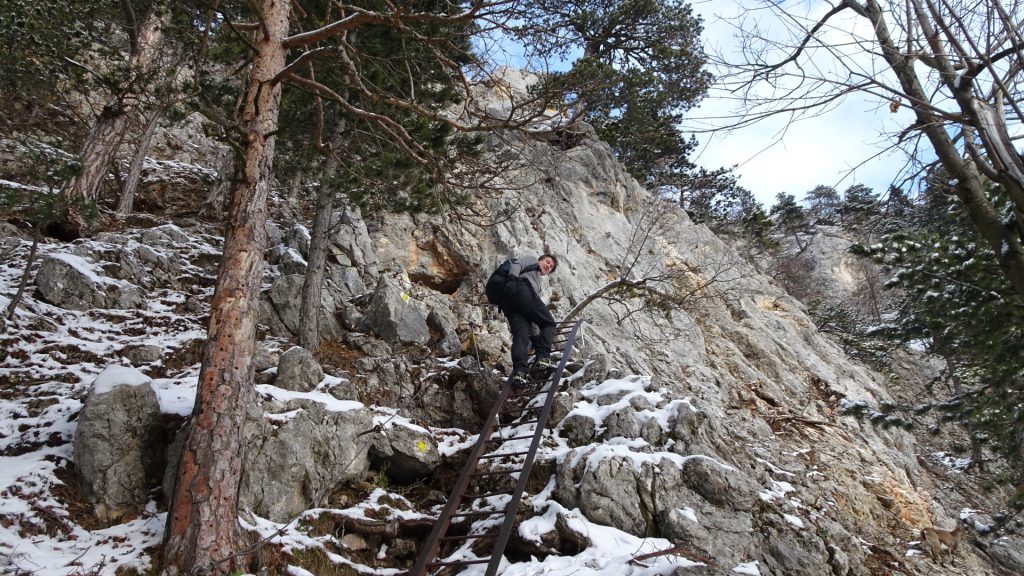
column 520, row 380
column 544, row 363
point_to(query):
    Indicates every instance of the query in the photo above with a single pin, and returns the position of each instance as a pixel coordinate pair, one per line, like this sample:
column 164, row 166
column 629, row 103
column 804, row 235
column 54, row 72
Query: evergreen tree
column 823, row 205
column 283, row 50
column 114, row 54
column 897, row 209
column 860, row 204
column 640, row 69
column 789, row 217
column 379, row 175
column 41, row 44
column 701, row 191
column 958, row 304
column 731, row 210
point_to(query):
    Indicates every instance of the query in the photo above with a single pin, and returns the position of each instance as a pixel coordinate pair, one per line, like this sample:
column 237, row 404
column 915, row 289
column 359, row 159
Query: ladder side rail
column 429, row 552
column 498, row 550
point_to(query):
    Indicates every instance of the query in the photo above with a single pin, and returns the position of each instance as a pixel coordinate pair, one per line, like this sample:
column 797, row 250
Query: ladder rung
column 510, row 471
column 488, row 495
column 536, row 391
column 517, row 424
column 489, row 456
column 527, row 437
column 470, row 536
column 460, row 562
column 532, row 394
column 478, row 514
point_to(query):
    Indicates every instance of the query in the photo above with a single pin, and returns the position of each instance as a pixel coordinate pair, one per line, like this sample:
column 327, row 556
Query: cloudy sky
column 842, row 147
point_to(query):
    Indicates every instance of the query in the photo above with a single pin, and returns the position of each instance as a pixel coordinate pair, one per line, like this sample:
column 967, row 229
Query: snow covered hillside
column 705, row 437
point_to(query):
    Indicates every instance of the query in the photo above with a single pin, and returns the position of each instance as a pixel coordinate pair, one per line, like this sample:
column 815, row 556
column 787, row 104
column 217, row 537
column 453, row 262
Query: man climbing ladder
column 515, row 288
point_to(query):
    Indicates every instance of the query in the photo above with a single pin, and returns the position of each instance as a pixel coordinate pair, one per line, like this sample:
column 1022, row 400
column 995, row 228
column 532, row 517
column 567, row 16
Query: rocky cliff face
column 714, row 423
column 770, row 470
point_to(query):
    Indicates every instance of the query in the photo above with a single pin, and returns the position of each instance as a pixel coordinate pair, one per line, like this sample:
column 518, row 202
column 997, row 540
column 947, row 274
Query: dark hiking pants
column 523, row 308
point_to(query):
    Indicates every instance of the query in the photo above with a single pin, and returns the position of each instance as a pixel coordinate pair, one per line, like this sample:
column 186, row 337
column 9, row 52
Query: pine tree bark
column 105, row 136
column 316, row 266
column 131, row 183
column 96, row 156
column 316, row 261
column 201, row 520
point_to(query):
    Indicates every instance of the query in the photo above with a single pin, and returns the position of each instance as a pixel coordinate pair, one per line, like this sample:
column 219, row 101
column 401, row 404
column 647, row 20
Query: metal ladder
column 523, row 410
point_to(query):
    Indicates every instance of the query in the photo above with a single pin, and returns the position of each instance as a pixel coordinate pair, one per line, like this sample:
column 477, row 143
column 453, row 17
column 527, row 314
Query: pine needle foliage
column 40, row 41
column 377, row 174
column 957, row 305
column 637, row 66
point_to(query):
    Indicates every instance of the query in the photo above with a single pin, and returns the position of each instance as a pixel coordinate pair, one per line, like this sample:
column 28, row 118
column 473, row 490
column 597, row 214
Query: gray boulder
column 1008, row 552
column 293, row 462
column 291, row 262
column 563, row 404
column 265, row 358
column 165, row 236
column 351, row 243
column 275, row 235
column 694, row 432
column 340, row 388
column 407, row 454
column 788, row 550
column 578, row 430
column 609, row 491
column 344, row 282
column 719, row 484
column 298, row 370
column 684, row 515
column 445, row 325
column 298, row 238
column 115, row 467
column 623, row 423
column 712, row 532
column 143, row 354
column 77, row 283
column 643, row 493
column 491, row 348
column 395, row 316
column 148, row 265
column 283, row 306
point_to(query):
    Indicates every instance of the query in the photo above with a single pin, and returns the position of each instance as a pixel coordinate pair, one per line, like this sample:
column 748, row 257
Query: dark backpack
column 495, row 287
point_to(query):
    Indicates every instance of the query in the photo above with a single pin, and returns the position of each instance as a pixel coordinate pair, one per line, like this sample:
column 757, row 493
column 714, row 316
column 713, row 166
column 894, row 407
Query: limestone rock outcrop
column 116, row 465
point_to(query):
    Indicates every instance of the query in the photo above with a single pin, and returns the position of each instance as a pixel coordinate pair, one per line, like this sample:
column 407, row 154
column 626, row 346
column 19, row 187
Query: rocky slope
column 713, row 428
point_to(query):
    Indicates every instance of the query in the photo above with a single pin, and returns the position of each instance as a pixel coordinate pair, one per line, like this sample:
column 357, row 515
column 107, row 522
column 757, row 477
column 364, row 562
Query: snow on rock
column 295, row 463
column 114, row 452
column 115, row 375
column 77, row 283
column 717, row 425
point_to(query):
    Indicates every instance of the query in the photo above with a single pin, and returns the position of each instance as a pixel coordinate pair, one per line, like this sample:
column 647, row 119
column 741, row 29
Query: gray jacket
column 532, row 271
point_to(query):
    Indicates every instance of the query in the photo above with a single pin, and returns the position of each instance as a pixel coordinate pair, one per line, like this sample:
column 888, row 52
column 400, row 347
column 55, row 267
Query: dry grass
column 335, row 356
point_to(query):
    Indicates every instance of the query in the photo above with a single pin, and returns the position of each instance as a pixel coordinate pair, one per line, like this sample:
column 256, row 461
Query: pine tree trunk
column 316, row 265
column 131, row 182
column 25, row 275
column 97, row 154
column 201, row 520
column 213, row 207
